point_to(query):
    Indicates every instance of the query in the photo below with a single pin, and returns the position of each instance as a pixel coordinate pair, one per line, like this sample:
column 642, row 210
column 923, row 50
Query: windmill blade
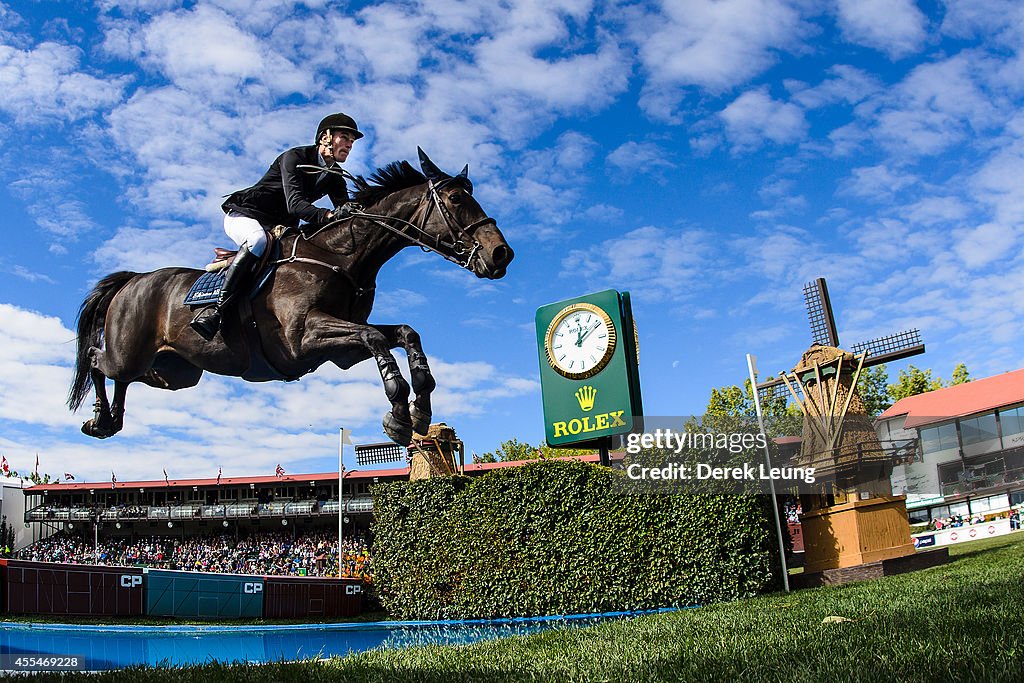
column 774, row 389
column 891, row 347
column 379, row 453
column 819, row 312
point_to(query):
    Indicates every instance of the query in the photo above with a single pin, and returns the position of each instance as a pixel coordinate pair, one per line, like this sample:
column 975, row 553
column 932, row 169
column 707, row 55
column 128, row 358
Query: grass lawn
column 960, row 622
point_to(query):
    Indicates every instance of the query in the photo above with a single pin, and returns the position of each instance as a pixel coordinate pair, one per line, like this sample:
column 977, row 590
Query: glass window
column 941, row 438
column 951, row 473
column 980, row 505
column 959, row 509
column 998, row 502
column 918, row 516
column 979, row 429
column 940, row 512
column 1012, row 420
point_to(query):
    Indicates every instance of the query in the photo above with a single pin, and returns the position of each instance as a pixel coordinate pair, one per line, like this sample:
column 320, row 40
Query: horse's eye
column 457, row 198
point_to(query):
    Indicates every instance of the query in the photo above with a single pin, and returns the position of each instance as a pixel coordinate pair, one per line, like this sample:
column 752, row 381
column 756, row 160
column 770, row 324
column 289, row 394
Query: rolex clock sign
column 589, row 372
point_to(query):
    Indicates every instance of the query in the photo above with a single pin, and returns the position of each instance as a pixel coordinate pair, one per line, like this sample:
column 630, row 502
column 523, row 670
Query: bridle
column 452, row 246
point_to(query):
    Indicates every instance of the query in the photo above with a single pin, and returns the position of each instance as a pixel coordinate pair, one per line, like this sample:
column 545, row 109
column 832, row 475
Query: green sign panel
column 589, row 377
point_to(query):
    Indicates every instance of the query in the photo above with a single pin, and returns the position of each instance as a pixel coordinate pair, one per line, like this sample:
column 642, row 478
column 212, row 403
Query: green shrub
column 560, row 537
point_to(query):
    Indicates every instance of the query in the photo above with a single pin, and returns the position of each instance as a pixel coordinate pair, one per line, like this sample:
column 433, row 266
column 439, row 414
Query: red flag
column 68, row 476
column 165, row 477
column 4, row 467
column 279, row 471
column 113, row 480
column 219, row 470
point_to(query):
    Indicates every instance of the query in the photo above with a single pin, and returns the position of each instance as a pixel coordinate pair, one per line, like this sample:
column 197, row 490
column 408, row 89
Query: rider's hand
column 345, row 210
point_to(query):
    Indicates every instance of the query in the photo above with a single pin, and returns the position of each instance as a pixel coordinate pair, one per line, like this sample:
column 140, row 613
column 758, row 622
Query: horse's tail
column 91, row 318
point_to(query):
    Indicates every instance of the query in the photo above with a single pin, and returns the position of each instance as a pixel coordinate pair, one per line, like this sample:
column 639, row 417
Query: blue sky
column 708, row 156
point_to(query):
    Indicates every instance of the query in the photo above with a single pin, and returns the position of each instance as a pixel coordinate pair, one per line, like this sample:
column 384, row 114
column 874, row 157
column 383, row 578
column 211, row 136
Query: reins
column 450, row 251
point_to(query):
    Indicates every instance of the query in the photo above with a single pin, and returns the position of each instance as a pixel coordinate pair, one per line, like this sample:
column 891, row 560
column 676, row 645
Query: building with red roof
column 970, row 454
column 293, row 502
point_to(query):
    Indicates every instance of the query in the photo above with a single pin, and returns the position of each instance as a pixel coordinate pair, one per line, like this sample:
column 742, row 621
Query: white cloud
column 937, row 106
column 849, row 85
column 219, row 58
column 163, row 244
column 655, row 263
column 755, row 118
column 985, row 244
column 45, row 83
column 711, row 44
column 877, row 183
column 640, row 158
column 64, row 221
column 895, row 27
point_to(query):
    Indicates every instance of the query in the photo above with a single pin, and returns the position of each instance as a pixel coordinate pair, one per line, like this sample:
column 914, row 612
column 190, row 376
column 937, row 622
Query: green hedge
column 559, row 537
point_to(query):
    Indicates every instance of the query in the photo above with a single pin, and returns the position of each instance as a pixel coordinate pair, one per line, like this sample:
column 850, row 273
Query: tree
column 513, row 450
column 873, row 387
column 960, row 375
column 726, row 404
column 34, row 477
column 510, row 450
column 914, row 381
column 6, row 537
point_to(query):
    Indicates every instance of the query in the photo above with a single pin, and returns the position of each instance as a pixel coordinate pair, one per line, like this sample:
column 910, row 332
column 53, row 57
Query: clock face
column 580, row 341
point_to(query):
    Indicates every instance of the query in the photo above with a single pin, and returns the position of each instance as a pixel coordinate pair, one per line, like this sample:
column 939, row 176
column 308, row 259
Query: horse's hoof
column 90, row 428
column 420, row 421
column 398, row 431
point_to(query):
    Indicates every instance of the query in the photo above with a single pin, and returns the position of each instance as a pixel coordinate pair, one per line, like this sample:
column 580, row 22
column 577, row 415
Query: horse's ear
column 430, row 169
column 464, row 177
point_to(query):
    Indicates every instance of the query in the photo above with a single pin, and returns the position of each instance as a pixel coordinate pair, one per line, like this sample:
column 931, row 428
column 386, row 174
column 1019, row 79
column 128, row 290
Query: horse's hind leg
column 422, row 381
column 102, row 423
column 108, row 417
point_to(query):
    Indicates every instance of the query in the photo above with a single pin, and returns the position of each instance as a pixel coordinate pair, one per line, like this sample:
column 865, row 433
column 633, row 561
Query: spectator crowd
column 260, row 553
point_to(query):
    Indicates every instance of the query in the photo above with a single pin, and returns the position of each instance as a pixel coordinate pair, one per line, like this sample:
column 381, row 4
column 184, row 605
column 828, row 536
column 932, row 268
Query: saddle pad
column 206, row 289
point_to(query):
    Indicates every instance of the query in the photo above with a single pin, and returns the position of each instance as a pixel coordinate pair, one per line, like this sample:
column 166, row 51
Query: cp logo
column 129, row 581
column 253, row 588
column 353, row 590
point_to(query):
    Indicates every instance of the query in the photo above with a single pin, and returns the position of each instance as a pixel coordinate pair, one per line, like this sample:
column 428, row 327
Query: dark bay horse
column 133, row 327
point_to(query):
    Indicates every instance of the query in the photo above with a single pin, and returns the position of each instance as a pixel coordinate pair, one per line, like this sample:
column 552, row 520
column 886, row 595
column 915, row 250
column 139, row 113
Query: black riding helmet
column 337, row 121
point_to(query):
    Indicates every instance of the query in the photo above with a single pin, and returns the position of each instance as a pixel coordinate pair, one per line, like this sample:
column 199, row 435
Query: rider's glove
column 346, row 210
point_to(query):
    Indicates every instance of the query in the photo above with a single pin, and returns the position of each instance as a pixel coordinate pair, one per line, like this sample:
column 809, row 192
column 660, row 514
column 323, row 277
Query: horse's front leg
column 345, row 344
column 422, row 381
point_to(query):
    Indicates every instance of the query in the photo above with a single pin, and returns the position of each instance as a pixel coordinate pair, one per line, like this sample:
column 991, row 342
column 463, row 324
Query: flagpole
column 752, row 370
column 341, row 495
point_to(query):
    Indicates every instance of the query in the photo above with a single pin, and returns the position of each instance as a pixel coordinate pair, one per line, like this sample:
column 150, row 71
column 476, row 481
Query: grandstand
column 181, row 508
column 238, row 506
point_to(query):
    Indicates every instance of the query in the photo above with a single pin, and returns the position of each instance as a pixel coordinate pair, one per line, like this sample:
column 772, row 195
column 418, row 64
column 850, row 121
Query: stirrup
column 207, row 322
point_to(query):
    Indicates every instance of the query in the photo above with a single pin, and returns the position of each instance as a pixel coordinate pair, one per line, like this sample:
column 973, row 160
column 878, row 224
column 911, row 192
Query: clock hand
column 587, row 333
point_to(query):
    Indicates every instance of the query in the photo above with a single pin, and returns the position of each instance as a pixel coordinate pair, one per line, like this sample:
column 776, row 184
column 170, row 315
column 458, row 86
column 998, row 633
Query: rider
column 283, row 196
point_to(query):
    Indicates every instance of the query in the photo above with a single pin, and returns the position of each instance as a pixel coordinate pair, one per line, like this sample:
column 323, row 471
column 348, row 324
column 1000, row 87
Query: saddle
column 207, row 288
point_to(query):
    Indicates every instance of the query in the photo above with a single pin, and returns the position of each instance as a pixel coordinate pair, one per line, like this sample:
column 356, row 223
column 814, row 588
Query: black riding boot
column 208, row 321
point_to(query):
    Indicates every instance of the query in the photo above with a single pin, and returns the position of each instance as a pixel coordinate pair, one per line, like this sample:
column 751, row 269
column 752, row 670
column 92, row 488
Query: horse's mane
column 398, row 175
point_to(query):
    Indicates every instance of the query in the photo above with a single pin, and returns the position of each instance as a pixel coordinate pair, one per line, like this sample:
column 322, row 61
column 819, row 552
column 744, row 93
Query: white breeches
column 247, row 231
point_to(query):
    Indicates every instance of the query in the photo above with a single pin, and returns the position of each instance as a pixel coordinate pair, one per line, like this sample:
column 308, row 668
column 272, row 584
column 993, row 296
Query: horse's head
column 456, row 221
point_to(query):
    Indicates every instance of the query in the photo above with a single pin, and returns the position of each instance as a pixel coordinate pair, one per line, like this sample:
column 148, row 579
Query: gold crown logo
column 586, row 395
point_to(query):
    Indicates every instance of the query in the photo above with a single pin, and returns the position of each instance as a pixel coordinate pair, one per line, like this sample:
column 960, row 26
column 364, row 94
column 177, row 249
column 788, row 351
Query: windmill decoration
column 885, row 349
column 840, row 443
column 438, row 453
